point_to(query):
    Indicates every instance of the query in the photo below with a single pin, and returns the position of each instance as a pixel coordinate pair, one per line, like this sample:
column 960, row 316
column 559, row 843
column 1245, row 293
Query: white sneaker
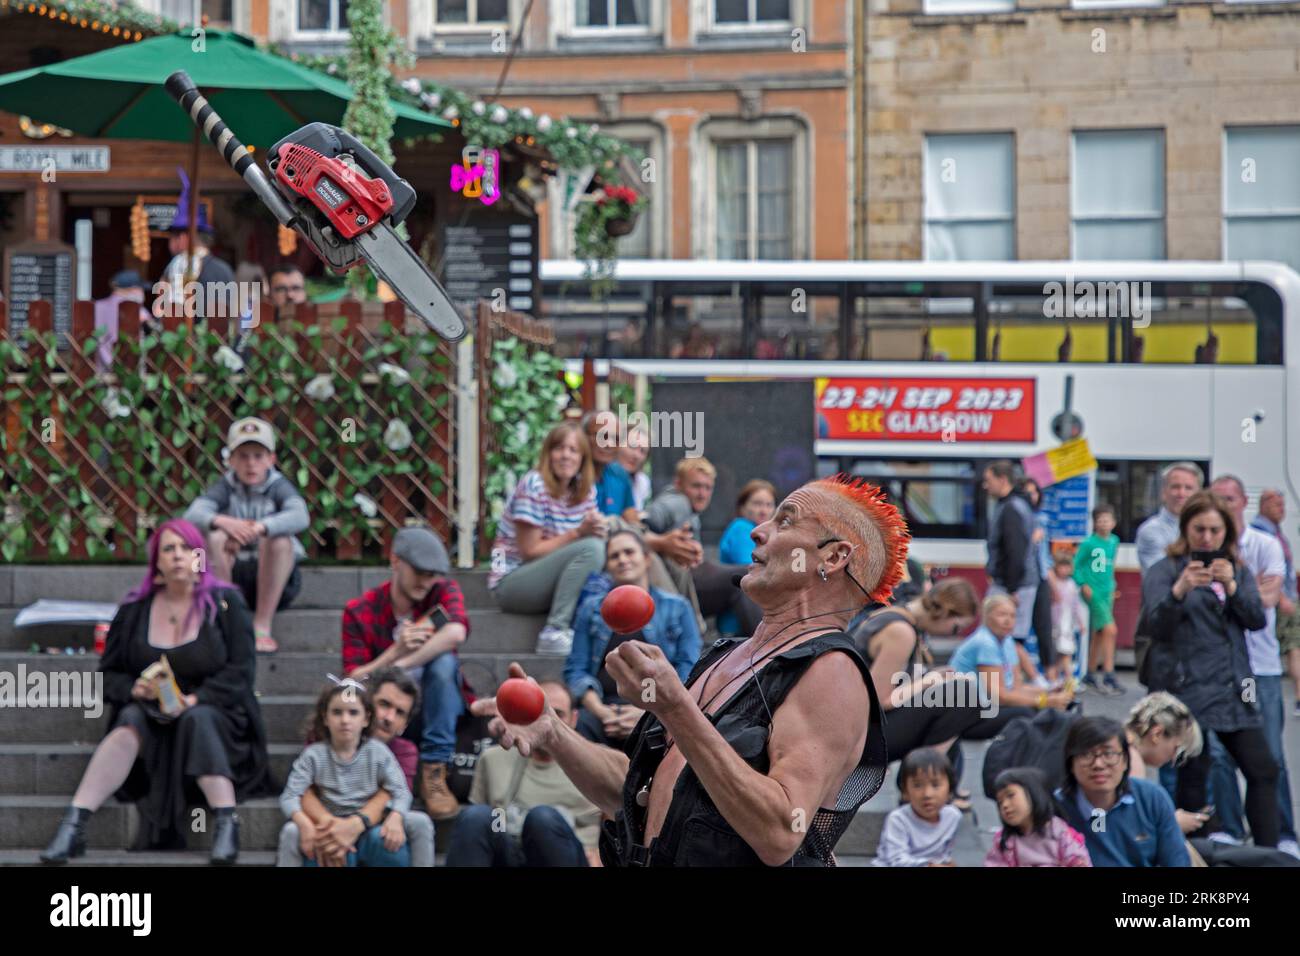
column 1225, row 838
column 1289, row 846
column 555, row 641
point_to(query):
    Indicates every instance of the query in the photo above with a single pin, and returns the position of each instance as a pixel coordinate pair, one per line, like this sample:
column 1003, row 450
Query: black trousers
column 717, row 593
column 1250, row 749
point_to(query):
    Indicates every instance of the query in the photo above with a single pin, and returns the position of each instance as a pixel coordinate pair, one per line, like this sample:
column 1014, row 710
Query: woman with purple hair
column 214, row 749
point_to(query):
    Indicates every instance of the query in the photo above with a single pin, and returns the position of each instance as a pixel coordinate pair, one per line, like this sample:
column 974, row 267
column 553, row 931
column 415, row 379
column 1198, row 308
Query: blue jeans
column 1223, row 777
column 547, row 840
column 370, row 852
column 441, row 704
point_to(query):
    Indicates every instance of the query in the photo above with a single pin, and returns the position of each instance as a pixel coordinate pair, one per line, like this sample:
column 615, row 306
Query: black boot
column 225, row 837
column 70, row 839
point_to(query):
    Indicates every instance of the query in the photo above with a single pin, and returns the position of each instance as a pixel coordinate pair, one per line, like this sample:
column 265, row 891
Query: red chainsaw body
column 351, row 201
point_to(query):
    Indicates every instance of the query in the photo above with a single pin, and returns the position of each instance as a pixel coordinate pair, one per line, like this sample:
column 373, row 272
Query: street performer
column 767, row 751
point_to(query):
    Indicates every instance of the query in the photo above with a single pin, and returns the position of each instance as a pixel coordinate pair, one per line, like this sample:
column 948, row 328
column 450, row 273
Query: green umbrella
column 118, row 94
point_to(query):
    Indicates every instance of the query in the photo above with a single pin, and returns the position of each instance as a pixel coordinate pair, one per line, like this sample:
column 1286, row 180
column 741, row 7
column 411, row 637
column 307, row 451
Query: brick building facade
column 1089, row 131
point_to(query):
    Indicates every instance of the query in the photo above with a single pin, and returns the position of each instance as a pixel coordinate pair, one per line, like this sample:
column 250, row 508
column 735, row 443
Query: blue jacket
column 672, row 630
column 1140, row 830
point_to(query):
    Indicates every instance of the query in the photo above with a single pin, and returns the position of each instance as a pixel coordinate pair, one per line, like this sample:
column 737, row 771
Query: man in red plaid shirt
column 393, row 626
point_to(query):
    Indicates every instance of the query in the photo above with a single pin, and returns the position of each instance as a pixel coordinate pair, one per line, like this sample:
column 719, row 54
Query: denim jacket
column 672, row 630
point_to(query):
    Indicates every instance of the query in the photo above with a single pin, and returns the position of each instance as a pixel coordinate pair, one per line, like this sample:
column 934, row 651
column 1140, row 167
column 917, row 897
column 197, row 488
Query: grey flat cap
column 422, row 550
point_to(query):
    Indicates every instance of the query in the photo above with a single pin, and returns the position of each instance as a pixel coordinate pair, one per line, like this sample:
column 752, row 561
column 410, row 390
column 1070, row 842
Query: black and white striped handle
column 183, row 90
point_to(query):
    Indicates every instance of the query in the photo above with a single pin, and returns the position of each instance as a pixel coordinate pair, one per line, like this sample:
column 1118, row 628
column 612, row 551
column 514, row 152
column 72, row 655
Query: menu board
column 40, row 270
column 494, row 257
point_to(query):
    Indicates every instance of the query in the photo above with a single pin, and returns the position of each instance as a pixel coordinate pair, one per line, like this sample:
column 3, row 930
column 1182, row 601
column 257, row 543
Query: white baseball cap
column 251, row 429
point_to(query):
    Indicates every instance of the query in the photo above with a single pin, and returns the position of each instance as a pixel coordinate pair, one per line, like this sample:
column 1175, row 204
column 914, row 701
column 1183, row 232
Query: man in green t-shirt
column 524, row 810
column 1094, row 572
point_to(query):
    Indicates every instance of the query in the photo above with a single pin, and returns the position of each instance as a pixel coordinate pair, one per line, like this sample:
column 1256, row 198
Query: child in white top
column 922, row 831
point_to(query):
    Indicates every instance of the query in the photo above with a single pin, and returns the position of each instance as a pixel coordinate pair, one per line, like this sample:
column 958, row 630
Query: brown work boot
column 439, row 799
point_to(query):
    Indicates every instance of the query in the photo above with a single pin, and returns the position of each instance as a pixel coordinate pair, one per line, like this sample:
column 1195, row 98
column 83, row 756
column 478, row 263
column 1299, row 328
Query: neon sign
column 478, row 175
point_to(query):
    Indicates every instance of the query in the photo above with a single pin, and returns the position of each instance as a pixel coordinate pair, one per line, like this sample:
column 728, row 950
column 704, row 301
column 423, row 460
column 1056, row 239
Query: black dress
column 222, row 735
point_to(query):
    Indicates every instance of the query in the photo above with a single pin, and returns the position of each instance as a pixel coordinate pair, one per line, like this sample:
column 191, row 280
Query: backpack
column 1037, row 741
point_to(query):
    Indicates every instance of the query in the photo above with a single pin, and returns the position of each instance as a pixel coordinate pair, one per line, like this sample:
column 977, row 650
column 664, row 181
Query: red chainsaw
column 340, row 197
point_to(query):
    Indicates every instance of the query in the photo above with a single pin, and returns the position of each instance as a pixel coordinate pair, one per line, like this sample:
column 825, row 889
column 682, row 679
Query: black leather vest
column 694, row 833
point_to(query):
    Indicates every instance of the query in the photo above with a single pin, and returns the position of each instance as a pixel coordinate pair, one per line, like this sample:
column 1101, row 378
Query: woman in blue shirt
column 605, row 717
column 1124, row 821
column 754, row 505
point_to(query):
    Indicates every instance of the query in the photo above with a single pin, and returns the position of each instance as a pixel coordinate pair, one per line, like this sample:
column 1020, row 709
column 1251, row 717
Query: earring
column 822, row 572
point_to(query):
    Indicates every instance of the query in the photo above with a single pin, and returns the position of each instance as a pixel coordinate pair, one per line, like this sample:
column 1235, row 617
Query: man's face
column 392, row 712
column 412, row 582
column 1231, row 494
column 995, row 486
column 251, row 462
column 785, row 548
column 288, row 288
column 1273, row 507
column 1179, row 486
column 698, row 488
column 178, row 242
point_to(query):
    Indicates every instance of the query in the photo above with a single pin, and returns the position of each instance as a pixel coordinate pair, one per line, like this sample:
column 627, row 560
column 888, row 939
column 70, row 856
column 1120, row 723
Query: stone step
column 283, row 715
column 27, row 822
column 297, row 630
column 97, row 857
column 57, row 768
column 322, row 586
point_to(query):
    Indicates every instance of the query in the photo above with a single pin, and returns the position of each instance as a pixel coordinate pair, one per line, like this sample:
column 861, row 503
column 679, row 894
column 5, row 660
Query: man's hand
column 340, row 834
column 144, row 689
column 621, row 721
column 643, row 674
column 678, row 545
column 413, row 634
column 394, row 832
column 540, row 733
column 241, row 530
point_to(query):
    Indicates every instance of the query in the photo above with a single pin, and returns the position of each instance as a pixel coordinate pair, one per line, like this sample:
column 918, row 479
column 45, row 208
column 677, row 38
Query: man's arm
column 1015, row 545
column 597, row 771
column 812, row 749
column 208, row 505
column 290, row 515
column 1270, row 580
column 446, row 638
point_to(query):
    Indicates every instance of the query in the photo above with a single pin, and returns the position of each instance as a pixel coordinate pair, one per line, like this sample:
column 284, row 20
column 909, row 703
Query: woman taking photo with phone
column 1197, row 603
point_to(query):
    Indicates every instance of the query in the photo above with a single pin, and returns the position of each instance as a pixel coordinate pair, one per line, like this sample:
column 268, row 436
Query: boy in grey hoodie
column 250, row 517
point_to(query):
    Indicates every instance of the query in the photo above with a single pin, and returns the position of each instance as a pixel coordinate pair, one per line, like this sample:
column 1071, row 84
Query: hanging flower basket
column 620, row 226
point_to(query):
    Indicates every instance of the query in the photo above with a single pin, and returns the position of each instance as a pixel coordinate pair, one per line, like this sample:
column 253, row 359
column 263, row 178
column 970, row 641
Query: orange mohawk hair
column 863, row 516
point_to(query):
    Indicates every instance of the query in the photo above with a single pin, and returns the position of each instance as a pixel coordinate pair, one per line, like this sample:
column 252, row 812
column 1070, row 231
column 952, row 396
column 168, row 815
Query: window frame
column 477, row 27
column 963, row 7
column 714, row 133
column 1012, row 217
column 1290, row 213
column 571, row 28
column 712, row 25
column 298, row 33
column 1164, row 183
column 1114, row 4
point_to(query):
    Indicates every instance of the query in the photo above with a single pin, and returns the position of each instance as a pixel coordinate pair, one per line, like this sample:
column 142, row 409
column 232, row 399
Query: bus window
column 704, row 327
column 796, row 323
column 938, row 498
column 1033, row 325
column 1133, row 489
column 1196, row 330
column 908, row 329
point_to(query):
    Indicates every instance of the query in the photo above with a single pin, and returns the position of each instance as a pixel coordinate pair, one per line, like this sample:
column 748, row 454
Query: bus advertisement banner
column 926, row 409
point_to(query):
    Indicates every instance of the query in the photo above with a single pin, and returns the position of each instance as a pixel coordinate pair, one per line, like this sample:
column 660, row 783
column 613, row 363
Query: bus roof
column 1276, row 274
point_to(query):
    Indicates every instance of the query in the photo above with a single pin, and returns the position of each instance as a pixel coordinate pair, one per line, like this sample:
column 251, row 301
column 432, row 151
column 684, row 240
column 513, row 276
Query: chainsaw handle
column 183, row 90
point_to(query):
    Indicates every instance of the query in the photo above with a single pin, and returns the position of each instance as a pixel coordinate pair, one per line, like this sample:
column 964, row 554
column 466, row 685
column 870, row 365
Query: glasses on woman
column 1108, row 758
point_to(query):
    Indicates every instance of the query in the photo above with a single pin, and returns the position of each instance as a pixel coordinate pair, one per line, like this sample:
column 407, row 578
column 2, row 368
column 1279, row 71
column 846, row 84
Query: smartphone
column 1208, row 557
column 1208, row 810
column 439, row 618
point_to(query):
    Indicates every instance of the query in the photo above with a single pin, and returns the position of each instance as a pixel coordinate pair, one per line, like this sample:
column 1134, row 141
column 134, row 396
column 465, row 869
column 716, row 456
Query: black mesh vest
column 694, row 833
